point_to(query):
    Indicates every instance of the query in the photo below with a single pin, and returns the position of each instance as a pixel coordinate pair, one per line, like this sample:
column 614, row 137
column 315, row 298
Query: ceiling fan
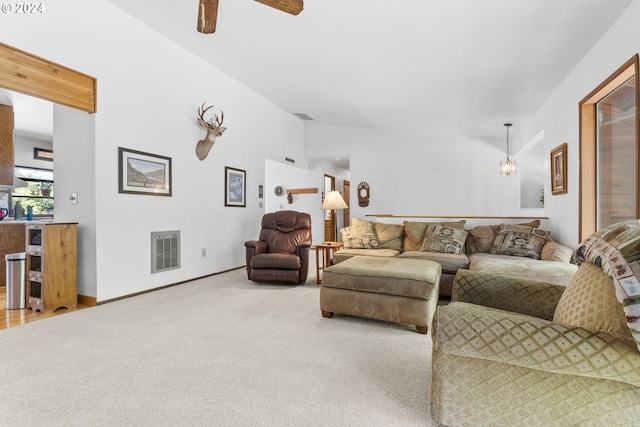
column 208, row 11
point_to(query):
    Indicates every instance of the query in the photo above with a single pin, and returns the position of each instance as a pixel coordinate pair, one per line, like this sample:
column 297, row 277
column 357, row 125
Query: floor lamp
column 332, row 201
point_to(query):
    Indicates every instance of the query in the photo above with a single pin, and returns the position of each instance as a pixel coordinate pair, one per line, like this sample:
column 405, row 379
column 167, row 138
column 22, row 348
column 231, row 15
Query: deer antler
column 202, row 110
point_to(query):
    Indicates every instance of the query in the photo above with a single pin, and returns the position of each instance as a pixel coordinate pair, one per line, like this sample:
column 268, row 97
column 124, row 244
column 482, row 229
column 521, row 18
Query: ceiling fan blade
column 207, row 16
column 293, row 7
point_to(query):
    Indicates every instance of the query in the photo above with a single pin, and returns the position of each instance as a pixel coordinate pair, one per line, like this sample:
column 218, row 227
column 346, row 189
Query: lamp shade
column 333, row 200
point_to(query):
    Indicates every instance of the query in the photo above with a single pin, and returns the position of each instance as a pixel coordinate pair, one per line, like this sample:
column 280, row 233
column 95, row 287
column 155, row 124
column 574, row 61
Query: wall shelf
column 292, row 191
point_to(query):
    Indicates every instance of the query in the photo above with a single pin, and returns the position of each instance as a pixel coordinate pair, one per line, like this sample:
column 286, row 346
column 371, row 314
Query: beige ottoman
column 393, row 289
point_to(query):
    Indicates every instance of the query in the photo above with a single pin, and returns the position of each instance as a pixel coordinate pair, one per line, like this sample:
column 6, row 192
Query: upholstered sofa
column 515, row 352
column 518, row 250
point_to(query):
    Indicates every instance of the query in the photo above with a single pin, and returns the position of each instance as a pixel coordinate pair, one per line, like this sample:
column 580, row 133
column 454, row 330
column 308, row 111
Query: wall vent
column 165, row 250
column 303, row 116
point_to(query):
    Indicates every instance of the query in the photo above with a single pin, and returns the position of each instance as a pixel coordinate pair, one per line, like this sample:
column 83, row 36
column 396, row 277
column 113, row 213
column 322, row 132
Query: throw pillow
column 519, row 240
column 590, row 302
column 389, row 235
column 414, row 232
column 615, row 250
column 445, row 240
column 481, row 238
column 360, row 235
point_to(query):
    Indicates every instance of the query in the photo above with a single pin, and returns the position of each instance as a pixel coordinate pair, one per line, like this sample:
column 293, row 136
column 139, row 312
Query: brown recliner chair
column 281, row 254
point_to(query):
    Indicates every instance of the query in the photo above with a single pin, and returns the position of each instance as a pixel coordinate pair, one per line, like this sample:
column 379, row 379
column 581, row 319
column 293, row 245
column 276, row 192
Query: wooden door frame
column 587, row 215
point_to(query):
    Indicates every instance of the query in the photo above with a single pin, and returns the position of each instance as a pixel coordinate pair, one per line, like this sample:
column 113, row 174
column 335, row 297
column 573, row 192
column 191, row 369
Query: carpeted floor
column 219, row 351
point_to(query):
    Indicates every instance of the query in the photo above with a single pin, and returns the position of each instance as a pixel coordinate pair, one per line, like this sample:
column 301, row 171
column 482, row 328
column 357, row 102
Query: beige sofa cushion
column 519, row 240
column 554, row 251
column 450, row 263
column 559, row 273
column 345, row 254
column 360, row 235
column 390, row 276
column 590, row 302
column 415, row 231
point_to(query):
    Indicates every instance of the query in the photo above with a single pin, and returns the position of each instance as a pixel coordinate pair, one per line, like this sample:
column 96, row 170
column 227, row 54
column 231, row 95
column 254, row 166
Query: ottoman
column 393, row 289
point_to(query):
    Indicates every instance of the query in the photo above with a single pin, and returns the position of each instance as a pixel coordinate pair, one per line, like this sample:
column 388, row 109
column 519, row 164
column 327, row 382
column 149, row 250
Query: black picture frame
column 43, row 154
column 143, row 173
column 235, row 187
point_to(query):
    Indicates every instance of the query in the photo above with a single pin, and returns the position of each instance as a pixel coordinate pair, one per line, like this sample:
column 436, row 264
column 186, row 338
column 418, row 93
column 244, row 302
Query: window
column 37, row 190
column 609, row 151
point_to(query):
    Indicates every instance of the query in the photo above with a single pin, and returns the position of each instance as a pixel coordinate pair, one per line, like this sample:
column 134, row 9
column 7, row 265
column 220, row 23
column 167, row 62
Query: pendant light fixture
column 508, row 165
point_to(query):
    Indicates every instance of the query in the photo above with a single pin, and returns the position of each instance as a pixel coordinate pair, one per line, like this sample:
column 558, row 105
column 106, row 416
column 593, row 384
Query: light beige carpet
column 219, row 351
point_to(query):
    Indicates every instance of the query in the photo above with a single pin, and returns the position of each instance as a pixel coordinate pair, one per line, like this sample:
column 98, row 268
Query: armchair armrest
column 508, row 293
column 258, row 246
column 302, row 250
column 480, row 332
column 253, row 247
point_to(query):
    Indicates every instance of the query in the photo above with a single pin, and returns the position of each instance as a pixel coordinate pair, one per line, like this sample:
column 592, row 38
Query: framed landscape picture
column 559, row 169
column 143, row 173
column 235, row 187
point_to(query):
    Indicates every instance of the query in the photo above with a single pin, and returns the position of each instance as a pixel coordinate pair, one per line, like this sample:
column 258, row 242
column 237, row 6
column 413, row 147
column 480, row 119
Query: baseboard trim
column 166, row 286
column 87, row 301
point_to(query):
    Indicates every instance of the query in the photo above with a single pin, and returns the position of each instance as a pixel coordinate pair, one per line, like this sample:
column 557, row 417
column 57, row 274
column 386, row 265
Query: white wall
column 289, row 177
column 149, row 90
column 23, row 146
column 74, row 150
column 410, row 176
column 559, row 120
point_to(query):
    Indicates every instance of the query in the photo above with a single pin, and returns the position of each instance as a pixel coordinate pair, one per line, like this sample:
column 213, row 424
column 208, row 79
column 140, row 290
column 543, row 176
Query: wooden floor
column 20, row 317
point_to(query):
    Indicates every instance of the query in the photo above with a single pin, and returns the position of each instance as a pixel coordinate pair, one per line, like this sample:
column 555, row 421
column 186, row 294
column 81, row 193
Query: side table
column 327, row 249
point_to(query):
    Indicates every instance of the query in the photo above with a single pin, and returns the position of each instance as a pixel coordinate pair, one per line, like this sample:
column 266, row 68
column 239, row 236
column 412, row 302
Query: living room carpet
column 218, row 351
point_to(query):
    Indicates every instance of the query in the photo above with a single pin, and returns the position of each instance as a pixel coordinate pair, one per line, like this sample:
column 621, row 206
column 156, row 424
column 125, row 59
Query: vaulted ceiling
column 441, row 67
column 444, row 68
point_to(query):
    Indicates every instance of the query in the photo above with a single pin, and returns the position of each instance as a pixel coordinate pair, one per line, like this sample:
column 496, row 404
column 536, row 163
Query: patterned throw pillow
column 414, row 232
column 519, row 240
column 481, row 238
column 360, row 235
column 446, row 240
column 615, row 249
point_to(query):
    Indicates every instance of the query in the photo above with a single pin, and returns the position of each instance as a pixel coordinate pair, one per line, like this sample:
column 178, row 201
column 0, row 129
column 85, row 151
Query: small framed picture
column 143, row 173
column 235, row 187
column 43, row 154
column 559, row 169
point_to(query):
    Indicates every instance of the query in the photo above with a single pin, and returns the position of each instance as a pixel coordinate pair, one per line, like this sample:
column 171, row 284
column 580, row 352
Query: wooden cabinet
column 12, row 240
column 51, row 266
column 6, row 145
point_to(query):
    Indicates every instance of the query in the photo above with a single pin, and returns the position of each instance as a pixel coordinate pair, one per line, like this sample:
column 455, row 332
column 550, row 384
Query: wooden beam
column 292, row 7
column 26, row 73
column 207, row 16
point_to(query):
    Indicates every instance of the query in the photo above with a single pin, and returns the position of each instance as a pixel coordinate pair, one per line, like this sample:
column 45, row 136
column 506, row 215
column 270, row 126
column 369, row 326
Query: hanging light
column 508, row 165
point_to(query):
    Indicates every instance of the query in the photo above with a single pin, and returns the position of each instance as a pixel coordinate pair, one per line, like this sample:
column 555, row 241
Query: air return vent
column 304, row 116
column 165, row 250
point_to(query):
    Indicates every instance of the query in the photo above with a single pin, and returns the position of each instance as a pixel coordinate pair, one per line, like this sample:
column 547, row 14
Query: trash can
column 16, row 264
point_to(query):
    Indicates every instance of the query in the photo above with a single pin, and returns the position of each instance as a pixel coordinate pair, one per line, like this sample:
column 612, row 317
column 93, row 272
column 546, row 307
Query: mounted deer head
column 214, row 129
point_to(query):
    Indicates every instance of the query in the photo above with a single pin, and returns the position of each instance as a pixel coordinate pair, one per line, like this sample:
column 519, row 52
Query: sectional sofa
column 519, row 250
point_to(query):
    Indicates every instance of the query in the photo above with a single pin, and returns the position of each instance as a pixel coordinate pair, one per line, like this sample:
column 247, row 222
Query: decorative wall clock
column 279, row 191
column 363, row 194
